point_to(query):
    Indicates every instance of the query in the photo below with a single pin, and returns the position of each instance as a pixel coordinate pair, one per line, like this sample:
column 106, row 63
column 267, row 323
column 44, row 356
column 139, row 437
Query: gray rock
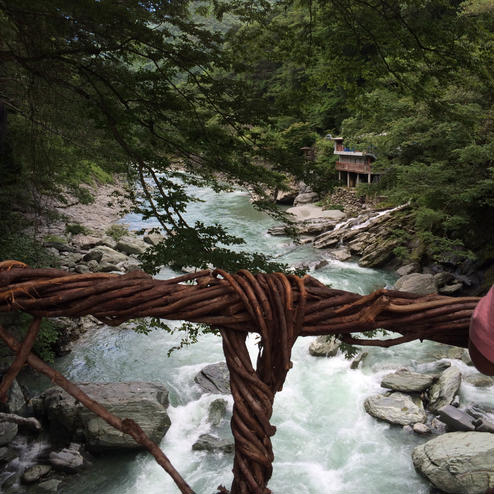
column 407, row 381
column 421, row 284
column 443, row 278
column 358, row 359
column 145, row 403
column 396, row 408
column 479, row 380
column 356, row 247
column 306, row 198
column 311, row 226
column 420, row 428
column 341, row 254
column 34, row 473
column 379, row 252
column 85, row 242
column 208, row 442
column 50, row 485
column 102, row 254
column 107, row 267
column 108, row 241
column 131, row 245
column 153, row 238
column 450, row 289
column 82, row 268
column 214, row 378
column 466, row 357
column 458, row 462
column 67, row 460
column 92, row 265
column 286, row 196
column 437, row 426
column 477, row 412
column 129, row 265
column 8, row 431
column 324, row 346
column 485, row 426
column 60, row 246
column 456, row 401
column 321, row 264
column 408, row 269
column 456, row 419
column 443, row 391
column 216, row 411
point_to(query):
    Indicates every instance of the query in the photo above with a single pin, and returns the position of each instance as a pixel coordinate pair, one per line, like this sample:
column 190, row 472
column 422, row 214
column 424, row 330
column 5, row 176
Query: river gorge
column 325, row 442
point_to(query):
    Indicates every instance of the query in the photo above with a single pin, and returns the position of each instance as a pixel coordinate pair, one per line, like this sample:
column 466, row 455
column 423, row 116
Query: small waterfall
column 363, row 220
column 28, row 451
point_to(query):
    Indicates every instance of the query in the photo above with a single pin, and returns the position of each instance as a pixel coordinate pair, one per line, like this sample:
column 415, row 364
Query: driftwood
column 278, row 307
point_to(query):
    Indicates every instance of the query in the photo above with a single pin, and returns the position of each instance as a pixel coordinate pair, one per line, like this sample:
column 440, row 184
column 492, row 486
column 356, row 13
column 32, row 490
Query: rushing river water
column 325, row 442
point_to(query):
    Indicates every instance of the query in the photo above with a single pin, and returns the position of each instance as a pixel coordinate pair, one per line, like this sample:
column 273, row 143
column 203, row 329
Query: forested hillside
column 234, row 89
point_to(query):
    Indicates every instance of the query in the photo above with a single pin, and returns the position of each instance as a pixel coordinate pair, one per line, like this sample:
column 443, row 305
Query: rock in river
column 324, row 346
column 208, row 442
column 214, row 378
column 444, row 390
column 395, row 408
column 458, row 462
column 146, row 403
column 407, row 381
column 421, row 284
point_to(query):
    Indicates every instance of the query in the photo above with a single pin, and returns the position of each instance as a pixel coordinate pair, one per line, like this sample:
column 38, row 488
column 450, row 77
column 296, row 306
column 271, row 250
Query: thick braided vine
column 277, row 307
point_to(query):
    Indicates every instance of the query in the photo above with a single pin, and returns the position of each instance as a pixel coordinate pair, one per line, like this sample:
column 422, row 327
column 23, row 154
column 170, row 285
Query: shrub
column 116, row 232
column 75, row 228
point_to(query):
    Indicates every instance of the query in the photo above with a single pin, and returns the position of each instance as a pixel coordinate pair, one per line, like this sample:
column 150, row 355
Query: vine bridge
column 278, row 307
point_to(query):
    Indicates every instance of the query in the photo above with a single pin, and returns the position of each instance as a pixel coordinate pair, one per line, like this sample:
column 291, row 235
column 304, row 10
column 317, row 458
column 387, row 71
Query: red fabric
column 482, row 326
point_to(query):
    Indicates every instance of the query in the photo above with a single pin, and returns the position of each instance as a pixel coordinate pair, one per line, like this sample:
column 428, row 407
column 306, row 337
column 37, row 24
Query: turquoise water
column 325, row 442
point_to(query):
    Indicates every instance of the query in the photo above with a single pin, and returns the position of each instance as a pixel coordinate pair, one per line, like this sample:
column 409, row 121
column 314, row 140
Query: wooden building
column 353, row 166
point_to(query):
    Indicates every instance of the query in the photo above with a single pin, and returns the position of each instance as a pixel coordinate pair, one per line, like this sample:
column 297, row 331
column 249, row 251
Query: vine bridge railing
column 278, row 307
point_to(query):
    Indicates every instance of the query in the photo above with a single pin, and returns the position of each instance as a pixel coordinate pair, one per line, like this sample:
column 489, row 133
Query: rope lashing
column 278, row 307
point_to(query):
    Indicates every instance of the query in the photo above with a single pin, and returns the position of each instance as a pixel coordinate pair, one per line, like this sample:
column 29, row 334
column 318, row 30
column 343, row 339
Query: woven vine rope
column 278, row 307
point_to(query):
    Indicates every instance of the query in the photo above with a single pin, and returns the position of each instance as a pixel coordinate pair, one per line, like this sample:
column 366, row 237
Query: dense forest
column 231, row 90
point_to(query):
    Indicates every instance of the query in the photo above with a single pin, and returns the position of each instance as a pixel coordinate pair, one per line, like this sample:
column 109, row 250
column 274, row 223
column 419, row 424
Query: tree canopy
column 232, row 89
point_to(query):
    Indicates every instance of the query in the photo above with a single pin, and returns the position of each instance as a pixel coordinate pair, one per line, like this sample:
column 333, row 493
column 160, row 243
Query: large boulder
column 421, row 284
column 214, row 378
column 311, row 211
column 208, row 442
column 311, row 226
column 68, row 460
column 341, row 254
column 458, row 462
column 216, row 411
column 131, row 245
column 324, row 346
column 104, row 254
column 443, row 391
column 306, row 198
column 456, row 419
column 396, row 408
column 145, row 403
column 407, row 381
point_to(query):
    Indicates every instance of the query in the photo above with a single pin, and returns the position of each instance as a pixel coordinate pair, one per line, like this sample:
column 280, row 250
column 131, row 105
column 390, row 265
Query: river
column 325, row 442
